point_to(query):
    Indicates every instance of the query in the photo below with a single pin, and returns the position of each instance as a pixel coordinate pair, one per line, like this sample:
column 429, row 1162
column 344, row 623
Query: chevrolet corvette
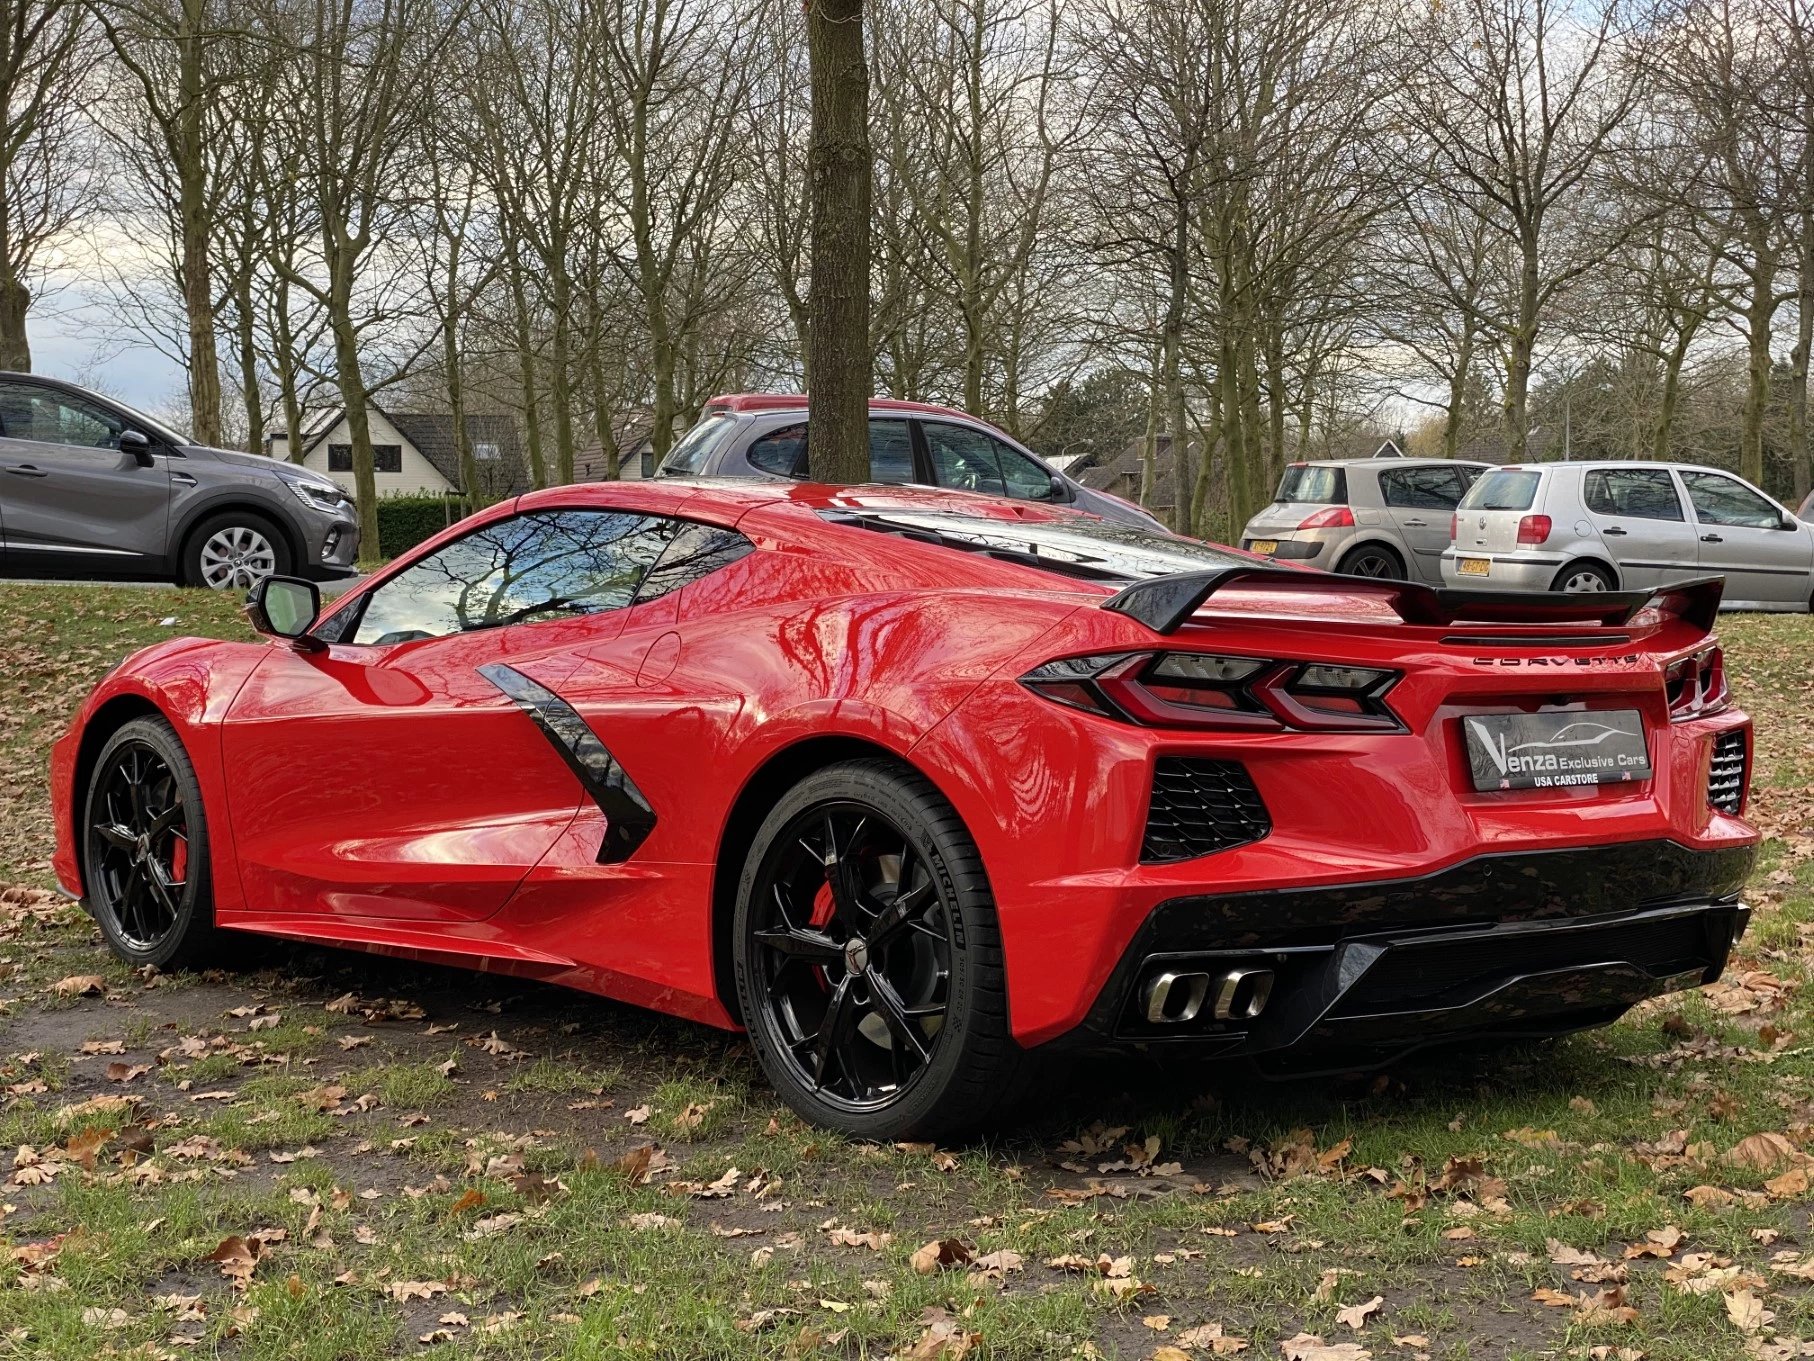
column 916, row 787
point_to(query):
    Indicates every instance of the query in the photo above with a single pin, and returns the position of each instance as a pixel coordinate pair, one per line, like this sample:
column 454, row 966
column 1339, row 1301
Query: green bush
column 405, row 521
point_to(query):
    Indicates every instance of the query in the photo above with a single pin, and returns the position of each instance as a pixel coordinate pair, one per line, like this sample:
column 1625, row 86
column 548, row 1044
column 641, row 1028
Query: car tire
column 144, row 845
column 912, row 1041
column 1580, row 577
column 233, row 551
column 1372, row 560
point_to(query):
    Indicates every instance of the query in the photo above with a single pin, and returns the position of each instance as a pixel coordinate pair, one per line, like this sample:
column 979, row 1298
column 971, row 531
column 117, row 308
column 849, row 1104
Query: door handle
column 1711, row 538
column 182, row 479
column 1415, row 524
column 1614, row 529
column 27, row 470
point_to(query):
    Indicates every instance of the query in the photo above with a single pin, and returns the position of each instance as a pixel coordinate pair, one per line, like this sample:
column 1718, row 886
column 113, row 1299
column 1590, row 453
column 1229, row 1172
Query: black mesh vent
column 1726, row 776
column 1201, row 806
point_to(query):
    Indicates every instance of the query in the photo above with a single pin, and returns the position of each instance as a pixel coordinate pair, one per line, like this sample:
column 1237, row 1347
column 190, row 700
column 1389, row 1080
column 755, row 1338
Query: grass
column 402, row 1207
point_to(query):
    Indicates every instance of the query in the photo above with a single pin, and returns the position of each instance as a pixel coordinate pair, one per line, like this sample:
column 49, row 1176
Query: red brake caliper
column 179, row 860
column 823, row 908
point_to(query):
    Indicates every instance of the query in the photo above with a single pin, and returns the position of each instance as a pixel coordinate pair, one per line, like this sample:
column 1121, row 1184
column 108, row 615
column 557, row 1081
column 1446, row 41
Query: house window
column 486, row 453
column 386, row 458
column 648, row 463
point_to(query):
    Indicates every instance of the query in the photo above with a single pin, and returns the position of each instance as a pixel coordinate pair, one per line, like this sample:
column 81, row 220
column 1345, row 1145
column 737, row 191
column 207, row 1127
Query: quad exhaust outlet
column 1236, row 995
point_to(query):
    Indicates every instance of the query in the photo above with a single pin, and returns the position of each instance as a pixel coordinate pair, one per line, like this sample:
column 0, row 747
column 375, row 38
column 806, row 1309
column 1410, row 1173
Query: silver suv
column 1606, row 526
column 89, row 488
column 1367, row 517
column 763, row 434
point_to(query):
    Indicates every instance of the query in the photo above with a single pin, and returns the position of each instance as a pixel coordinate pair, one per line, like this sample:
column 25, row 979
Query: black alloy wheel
column 145, row 848
column 1371, row 560
column 868, row 958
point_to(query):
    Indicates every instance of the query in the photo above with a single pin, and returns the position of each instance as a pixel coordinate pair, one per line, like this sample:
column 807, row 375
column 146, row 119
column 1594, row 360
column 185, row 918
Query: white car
column 1613, row 526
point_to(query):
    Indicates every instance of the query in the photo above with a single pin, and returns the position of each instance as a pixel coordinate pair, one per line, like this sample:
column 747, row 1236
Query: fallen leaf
column 1309, row 1347
column 1355, row 1316
column 939, row 1253
column 80, row 985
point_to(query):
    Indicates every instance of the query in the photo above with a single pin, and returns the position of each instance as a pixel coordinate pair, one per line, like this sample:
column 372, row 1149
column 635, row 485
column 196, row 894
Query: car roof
column 741, row 403
column 1386, row 463
column 1612, row 463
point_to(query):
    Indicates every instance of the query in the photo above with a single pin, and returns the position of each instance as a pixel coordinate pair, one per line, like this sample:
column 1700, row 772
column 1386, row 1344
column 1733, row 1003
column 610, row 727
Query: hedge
column 405, row 521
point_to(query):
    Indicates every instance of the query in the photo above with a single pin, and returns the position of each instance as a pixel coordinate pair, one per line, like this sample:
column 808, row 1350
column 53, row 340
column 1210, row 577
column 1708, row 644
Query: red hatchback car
column 914, row 785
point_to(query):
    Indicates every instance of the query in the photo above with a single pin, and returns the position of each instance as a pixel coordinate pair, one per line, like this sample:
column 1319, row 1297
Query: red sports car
column 914, row 786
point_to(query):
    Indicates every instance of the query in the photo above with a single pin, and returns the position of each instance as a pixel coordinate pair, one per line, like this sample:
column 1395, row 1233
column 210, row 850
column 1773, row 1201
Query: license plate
column 1546, row 751
column 1475, row 567
column 1266, row 546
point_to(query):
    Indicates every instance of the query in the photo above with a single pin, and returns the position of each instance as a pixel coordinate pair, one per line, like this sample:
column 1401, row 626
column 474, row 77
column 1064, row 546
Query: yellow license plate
column 1475, row 567
column 1266, row 546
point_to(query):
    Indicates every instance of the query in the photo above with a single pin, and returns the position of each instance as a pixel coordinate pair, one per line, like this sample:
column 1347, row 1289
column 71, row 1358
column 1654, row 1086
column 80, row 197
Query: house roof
column 1120, row 473
column 432, row 435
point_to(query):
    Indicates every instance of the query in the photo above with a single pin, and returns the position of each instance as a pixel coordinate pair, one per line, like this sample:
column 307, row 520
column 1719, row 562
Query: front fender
column 191, row 683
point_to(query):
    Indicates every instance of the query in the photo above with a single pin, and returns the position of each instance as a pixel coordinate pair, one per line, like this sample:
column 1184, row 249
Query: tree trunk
column 1800, row 470
column 353, row 398
column 532, row 420
column 15, row 345
column 1758, row 316
column 1458, row 389
column 286, row 372
column 1172, row 338
column 246, row 339
column 456, row 399
column 561, row 377
column 840, row 173
column 192, row 211
column 1664, row 424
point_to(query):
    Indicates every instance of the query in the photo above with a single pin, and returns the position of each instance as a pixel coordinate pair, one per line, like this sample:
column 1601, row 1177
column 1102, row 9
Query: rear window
column 1321, row 486
column 1097, row 549
column 1503, row 489
column 695, row 447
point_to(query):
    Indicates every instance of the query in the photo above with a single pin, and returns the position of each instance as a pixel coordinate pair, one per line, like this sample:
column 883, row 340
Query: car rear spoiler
column 1165, row 604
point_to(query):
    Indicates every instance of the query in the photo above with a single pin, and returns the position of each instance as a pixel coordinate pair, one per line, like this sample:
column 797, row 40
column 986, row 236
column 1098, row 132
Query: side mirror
column 1061, row 490
column 286, row 607
column 1788, row 521
column 138, row 444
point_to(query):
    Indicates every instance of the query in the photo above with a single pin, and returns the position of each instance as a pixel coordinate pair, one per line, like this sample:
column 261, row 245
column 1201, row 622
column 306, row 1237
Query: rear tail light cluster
column 1696, row 685
column 1336, row 517
column 1534, row 529
column 1205, row 690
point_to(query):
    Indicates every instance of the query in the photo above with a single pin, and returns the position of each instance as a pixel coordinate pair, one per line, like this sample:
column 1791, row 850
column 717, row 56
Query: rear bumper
column 1510, row 572
column 1527, row 943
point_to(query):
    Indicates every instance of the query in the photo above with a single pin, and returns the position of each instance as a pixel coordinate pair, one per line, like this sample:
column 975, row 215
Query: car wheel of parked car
column 1583, row 576
column 234, row 551
column 145, row 849
column 1372, row 560
column 868, row 959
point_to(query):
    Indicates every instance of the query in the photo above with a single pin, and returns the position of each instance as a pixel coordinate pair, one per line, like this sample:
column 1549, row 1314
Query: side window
column 963, row 459
column 1421, row 488
column 782, row 451
column 1641, row 493
column 1720, row 500
column 890, row 452
column 543, row 565
column 45, row 416
column 1024, row 479
column 692, row 551
column 340, row 458
column 386, row 458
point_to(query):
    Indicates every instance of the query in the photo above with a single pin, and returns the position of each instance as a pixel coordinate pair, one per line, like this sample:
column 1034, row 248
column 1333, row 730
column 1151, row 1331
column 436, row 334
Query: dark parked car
column 763, row 434
column 90, row 488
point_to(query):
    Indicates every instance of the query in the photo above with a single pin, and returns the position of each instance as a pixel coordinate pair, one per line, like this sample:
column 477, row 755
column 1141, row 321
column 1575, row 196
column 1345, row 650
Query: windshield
column 689, row 456
column 1503, row 489
column 1321, row 486
column 1082, row 547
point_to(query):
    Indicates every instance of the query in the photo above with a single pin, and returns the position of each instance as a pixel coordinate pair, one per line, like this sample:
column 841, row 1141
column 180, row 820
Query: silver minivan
column 1583, row 526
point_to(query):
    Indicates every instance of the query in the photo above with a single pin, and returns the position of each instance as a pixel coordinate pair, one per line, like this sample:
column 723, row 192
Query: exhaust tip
column 1174, row 998
column 1242, row 994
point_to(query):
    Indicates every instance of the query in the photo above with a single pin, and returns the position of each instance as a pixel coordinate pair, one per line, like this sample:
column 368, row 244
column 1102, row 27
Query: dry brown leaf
column 80, row 985
column 1309, row 1347
column 940, row 1253
column 1355, row 1316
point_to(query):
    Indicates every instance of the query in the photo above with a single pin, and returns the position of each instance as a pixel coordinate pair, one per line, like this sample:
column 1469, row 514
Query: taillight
column 1335, row 517
column 1205, row 690
column 1533, row 529
column 1696, row 686
column 1454, row 526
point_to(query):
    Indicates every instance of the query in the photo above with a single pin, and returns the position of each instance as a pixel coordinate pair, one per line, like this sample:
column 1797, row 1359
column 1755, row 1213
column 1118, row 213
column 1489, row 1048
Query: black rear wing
column 1165, row 604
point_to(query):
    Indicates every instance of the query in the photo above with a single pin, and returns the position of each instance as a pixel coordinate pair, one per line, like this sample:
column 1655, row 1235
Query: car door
column 70, row 496
column 964, row 458
column 387, row 775
column 1420, row 502
column 1638, row 516
column 1764, row 553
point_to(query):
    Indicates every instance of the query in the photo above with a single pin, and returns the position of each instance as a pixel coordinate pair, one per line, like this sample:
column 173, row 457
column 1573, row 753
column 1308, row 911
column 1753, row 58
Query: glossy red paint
column 389, row 798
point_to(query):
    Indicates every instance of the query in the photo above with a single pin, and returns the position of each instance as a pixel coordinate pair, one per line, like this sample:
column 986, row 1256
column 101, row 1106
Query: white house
column 412, row 452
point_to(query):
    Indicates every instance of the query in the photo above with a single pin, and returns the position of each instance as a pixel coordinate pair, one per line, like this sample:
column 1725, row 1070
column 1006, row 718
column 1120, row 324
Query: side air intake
column 1200, row 806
